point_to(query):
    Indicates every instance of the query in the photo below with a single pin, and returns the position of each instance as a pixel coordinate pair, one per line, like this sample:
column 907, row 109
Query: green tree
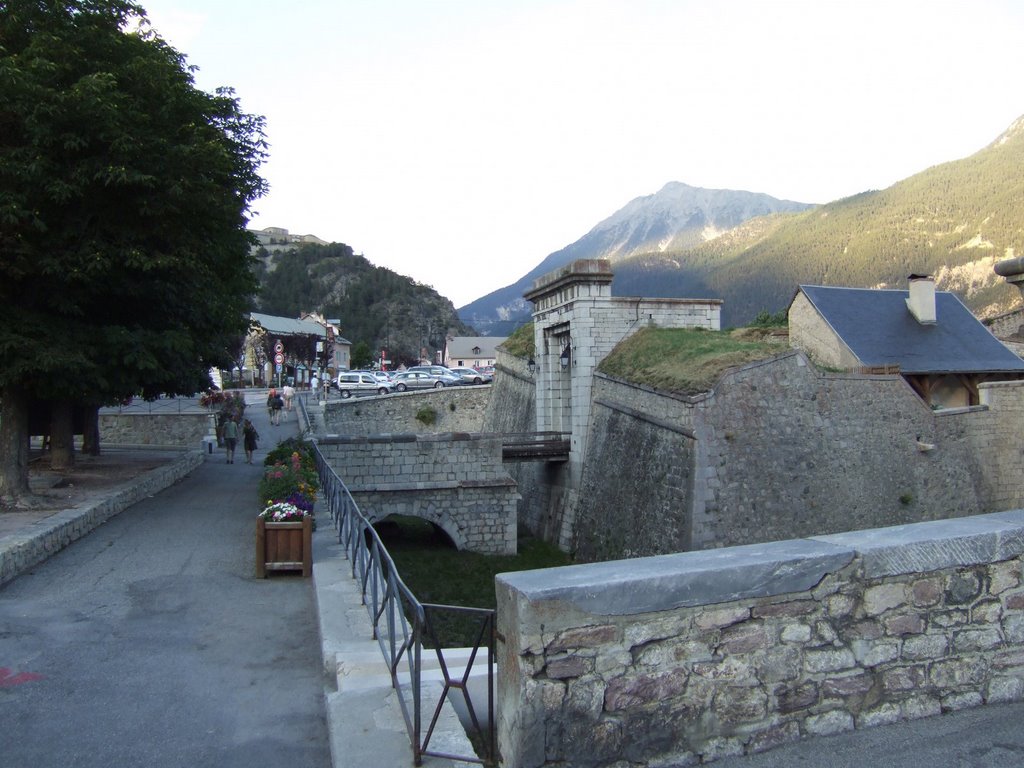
column 361, row 356
column 124, row 195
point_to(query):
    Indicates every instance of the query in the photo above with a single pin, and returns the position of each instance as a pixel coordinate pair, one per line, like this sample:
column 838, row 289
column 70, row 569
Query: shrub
column 426, row 416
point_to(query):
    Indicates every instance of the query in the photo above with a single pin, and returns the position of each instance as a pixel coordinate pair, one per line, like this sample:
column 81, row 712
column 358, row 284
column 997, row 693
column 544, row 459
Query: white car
column 352, row 383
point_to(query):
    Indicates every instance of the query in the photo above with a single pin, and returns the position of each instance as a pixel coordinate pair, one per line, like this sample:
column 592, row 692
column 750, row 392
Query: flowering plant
column 282, row 512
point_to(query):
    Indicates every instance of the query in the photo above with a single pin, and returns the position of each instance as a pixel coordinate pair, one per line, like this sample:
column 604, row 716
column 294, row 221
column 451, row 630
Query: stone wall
column 456, row 409
column 681, row 659
column 511, row 409
column 455, row 481
column 781, row 449
column 182, row 430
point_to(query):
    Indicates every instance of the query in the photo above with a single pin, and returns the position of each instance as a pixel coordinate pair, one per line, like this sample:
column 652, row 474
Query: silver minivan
column 355, row 383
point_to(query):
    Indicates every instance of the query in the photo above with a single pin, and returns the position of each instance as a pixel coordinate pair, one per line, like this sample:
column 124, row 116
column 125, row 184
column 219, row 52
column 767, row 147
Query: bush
column 290, row 476
column 426, row 416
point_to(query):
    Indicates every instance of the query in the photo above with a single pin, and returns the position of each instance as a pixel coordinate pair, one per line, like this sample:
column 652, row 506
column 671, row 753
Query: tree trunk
column 13, row 446
column 62, row 435
column 91, row 430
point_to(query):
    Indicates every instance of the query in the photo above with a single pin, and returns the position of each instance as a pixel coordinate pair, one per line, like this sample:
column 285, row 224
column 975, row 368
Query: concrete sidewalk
column 364, row 718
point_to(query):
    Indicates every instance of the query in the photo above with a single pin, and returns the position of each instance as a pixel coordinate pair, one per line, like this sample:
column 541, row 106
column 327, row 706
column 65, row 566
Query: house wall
column 809, row 331
column 681, row 659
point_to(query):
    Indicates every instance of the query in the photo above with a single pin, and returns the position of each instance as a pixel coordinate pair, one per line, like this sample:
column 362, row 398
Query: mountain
column 952, row 220
column 376, row 306
column 676, row 217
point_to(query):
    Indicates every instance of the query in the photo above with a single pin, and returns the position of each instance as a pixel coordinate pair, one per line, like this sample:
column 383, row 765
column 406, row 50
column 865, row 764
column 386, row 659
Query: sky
column 460, row 142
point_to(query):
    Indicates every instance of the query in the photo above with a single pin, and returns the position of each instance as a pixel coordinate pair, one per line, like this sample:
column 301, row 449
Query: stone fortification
column 456, row 409
column 779, row 449
column 455, row 481
column 681, row 659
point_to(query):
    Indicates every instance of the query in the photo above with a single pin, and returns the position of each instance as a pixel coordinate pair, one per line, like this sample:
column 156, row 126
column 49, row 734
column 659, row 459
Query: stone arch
column 424, row 510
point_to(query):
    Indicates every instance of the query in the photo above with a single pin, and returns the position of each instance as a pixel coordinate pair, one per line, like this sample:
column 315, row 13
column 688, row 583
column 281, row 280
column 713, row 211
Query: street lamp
column 566, row 357
column 532, row 366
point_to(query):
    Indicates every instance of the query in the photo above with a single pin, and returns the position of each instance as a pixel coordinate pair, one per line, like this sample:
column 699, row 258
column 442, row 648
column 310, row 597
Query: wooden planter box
column 284, row 547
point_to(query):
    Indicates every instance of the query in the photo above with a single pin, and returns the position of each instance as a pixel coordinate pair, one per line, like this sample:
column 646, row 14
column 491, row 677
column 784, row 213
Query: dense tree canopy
column 124, row 193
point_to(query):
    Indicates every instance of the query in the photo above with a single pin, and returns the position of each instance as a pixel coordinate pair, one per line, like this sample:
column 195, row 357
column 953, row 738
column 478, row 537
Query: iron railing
column 401, row 626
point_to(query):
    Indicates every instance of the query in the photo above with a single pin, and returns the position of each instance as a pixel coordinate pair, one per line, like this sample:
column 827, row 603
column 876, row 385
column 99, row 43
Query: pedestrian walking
column 249, row 439
column 230, row 437
column 274, row 405
column 288, row 392
column 314, row 387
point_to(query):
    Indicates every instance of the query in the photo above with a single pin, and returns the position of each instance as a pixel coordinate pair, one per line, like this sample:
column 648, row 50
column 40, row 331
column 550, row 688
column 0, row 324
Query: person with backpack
column 274, row 405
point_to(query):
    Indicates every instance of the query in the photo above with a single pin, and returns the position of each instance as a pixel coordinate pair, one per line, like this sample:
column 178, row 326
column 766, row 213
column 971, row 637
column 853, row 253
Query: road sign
column 278, row 358
column 278, row 347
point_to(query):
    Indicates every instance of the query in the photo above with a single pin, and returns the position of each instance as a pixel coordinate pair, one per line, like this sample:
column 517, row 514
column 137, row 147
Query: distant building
column 471, row 351
column 305, row 344
column 278, row 238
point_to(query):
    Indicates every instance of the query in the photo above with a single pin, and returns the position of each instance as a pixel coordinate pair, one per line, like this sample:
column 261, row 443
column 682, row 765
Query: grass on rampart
column 520, row 342
column 685, row 360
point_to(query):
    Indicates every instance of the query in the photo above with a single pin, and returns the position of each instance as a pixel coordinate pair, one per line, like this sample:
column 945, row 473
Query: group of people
column 250, row 438
column 279, row 401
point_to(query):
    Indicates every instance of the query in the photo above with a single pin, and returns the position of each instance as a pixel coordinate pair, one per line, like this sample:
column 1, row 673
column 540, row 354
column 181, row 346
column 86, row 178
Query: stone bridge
column 454, row 480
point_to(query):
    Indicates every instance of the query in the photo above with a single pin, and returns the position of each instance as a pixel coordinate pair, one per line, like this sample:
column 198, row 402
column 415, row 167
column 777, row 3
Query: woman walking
column 249, row 438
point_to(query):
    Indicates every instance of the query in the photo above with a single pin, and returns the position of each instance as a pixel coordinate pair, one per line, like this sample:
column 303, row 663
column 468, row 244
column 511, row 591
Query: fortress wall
column 682, row 659
column 782, row 450
column 457, row 409
column 184, row 430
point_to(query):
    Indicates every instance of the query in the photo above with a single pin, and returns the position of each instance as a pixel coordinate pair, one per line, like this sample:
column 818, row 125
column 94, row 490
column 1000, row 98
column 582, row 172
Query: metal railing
column 401, row 626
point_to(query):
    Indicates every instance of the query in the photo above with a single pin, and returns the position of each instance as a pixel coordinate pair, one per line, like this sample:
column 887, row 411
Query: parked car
column 352, row 383
column 383, row 376
column 443, row 374
column 416, row 380
column 472, row 375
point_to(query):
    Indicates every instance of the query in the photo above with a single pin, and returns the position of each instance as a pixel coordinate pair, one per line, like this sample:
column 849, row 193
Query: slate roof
column 287, row 326
column 879, row 329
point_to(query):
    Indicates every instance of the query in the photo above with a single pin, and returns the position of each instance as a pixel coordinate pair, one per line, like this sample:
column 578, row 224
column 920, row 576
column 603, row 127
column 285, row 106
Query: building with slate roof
column 295, row 336
column 471, row 351
column 927, row 336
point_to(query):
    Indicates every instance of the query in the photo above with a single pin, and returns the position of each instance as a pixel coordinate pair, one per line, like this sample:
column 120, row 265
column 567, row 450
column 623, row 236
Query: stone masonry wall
column 455, row 481
column 681, row 659
column 457, row 409
column 782, row 450
column 184, row 430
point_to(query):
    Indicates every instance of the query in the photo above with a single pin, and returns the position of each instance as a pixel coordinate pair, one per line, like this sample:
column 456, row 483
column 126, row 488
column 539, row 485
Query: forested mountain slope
column 376, row 306
column 953, row 221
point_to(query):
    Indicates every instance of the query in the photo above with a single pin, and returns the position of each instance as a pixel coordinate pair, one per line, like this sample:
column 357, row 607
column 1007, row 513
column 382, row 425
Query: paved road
column 150, row 643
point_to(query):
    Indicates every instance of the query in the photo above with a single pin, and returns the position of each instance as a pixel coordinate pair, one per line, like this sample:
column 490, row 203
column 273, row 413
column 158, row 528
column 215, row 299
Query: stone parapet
column 452, row 409
column 682, row 659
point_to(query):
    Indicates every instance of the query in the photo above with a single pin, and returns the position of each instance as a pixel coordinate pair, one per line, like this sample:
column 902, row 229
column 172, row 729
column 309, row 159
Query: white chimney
column 921, row 302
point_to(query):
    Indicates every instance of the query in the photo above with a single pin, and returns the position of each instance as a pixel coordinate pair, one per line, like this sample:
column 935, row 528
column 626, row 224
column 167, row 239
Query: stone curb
column 46, row 537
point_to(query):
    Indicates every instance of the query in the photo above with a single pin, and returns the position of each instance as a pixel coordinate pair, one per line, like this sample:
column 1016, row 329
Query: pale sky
column 459, row 142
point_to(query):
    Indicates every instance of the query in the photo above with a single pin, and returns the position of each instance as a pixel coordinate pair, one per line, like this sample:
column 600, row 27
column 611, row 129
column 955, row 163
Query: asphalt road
column 150, row 643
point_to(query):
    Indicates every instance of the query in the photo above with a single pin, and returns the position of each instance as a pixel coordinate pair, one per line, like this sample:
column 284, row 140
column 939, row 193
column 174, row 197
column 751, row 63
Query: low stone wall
column 682, row 659
column 456, row 481
column 456, row 409
column 22, row 550
column 181, row 430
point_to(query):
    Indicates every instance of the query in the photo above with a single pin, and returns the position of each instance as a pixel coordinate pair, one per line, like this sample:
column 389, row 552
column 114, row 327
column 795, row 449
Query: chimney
column 921, row 302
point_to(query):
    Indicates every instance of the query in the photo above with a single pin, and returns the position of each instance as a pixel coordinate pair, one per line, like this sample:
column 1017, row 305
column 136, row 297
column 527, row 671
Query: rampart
column 682, row 659
column 779, row 449
column 455, row 481
column 452, row 409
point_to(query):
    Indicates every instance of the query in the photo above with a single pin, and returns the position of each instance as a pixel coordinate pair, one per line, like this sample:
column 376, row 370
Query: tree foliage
column 124, row 193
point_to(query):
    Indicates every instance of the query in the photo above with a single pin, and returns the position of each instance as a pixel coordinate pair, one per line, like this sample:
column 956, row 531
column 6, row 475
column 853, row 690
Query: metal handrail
column 401, row 622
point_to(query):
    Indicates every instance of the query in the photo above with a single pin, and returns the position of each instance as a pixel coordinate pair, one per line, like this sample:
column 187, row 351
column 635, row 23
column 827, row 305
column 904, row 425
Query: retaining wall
column 456, row 409
column 456, row 481
column 184, row 430
column 680, row 659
